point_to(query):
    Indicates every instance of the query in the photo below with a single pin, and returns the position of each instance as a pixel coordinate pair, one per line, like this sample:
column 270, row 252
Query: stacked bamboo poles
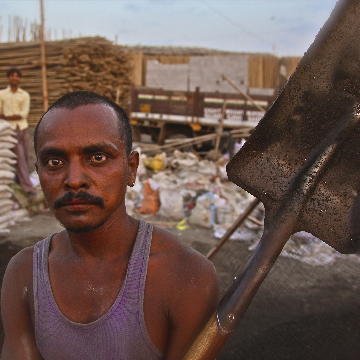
column 91, row 64
column 180, row 144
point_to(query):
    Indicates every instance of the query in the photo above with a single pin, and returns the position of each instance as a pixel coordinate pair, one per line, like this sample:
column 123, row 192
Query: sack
column 172, row 204
column 204, row 211
column 151, row 201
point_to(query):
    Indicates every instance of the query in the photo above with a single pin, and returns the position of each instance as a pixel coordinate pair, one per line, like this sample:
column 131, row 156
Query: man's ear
column 133, row 165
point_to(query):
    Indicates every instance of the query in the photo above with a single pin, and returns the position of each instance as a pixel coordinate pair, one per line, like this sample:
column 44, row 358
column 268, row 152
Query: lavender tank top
column 120, row 334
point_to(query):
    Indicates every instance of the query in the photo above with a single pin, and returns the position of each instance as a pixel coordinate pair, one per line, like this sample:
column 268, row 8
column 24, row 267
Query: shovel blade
column 313, row 130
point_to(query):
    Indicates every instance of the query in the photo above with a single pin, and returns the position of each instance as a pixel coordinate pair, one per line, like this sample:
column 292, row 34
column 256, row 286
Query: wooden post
column 1, row 27
column 117, row 96
column 43, row 59
column 220, row 129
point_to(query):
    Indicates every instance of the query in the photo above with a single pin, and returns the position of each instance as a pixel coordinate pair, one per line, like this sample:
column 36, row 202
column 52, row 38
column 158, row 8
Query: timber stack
column 91, row 64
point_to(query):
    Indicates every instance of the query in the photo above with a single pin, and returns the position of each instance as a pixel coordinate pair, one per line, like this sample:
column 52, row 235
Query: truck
column 165, row 114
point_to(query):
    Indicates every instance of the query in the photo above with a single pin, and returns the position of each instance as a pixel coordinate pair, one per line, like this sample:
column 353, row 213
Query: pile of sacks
column 184, row 186
column 10, row 210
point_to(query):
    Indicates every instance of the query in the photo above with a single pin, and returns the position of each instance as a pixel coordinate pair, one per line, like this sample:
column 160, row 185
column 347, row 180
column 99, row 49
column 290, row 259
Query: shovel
column 303, row 163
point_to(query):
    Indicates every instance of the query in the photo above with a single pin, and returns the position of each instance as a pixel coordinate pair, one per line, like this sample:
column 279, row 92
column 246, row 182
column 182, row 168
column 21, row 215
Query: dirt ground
column 300, row 312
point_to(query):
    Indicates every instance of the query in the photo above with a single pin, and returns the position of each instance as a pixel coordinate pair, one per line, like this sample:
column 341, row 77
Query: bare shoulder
column 17, row 282
column 183, row 275
column 20, row 266
column 16, row 308
column 181, row 260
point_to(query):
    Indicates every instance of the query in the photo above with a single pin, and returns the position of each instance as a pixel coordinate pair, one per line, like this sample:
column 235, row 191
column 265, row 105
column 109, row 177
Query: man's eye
column 98, row 158
column 54, row 162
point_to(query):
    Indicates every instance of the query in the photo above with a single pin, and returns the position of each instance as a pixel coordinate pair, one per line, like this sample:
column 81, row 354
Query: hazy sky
column 286, row 27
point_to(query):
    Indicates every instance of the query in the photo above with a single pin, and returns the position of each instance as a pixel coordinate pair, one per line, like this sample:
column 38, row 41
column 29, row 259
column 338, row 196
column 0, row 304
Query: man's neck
column 14, row 88
column 108, row 240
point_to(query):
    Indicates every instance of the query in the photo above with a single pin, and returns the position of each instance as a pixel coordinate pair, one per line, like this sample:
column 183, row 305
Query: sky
column 280, row 27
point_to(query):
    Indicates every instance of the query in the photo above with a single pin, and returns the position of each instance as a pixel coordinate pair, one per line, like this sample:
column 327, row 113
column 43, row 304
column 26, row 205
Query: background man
column 15, row 107
column 109, row 286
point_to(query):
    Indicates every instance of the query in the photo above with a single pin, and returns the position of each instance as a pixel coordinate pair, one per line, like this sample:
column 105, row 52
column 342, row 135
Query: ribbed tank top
column 119, row 334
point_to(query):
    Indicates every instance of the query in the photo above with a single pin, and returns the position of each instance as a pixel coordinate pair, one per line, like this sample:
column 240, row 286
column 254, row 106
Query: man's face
column 83, row 167
column 14, row 79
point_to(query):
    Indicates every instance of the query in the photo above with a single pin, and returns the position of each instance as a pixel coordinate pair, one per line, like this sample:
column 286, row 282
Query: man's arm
column 12, row 117
column 15, row 310
column 191, row 287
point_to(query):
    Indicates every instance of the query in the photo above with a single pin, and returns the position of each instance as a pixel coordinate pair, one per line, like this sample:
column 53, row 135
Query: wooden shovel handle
column 208, row 343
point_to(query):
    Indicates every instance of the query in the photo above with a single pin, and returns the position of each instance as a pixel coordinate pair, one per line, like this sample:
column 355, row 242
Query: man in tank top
column 108, row 287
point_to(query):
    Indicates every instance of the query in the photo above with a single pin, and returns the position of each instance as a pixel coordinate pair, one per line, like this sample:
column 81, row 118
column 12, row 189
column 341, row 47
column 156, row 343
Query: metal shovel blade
column 308, row 143
column 302, row 161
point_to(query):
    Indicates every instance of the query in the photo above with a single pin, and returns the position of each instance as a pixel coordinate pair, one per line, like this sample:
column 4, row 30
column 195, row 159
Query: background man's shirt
column 17, row 103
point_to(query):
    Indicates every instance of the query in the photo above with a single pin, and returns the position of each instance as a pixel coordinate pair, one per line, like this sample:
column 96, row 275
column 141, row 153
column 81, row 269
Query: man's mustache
column 84, row 196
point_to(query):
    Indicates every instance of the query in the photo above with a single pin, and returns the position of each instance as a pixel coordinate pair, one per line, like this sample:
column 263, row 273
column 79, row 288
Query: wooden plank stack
column 91, row 64
column 263, row 71
column 290, row 63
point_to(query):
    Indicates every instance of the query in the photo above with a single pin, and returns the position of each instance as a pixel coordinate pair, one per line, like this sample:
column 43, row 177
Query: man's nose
column 76, row 177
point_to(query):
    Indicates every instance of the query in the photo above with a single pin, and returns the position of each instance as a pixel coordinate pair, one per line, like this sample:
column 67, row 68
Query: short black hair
column 78, row 98
column 13, row 70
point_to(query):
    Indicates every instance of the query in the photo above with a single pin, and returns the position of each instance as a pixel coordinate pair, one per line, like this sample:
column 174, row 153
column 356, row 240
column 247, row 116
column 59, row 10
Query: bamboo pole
column 43, row 59
column 240, row 220
column 244, row 94
column 1, row 29
column 117, row 97
column 220, row 129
